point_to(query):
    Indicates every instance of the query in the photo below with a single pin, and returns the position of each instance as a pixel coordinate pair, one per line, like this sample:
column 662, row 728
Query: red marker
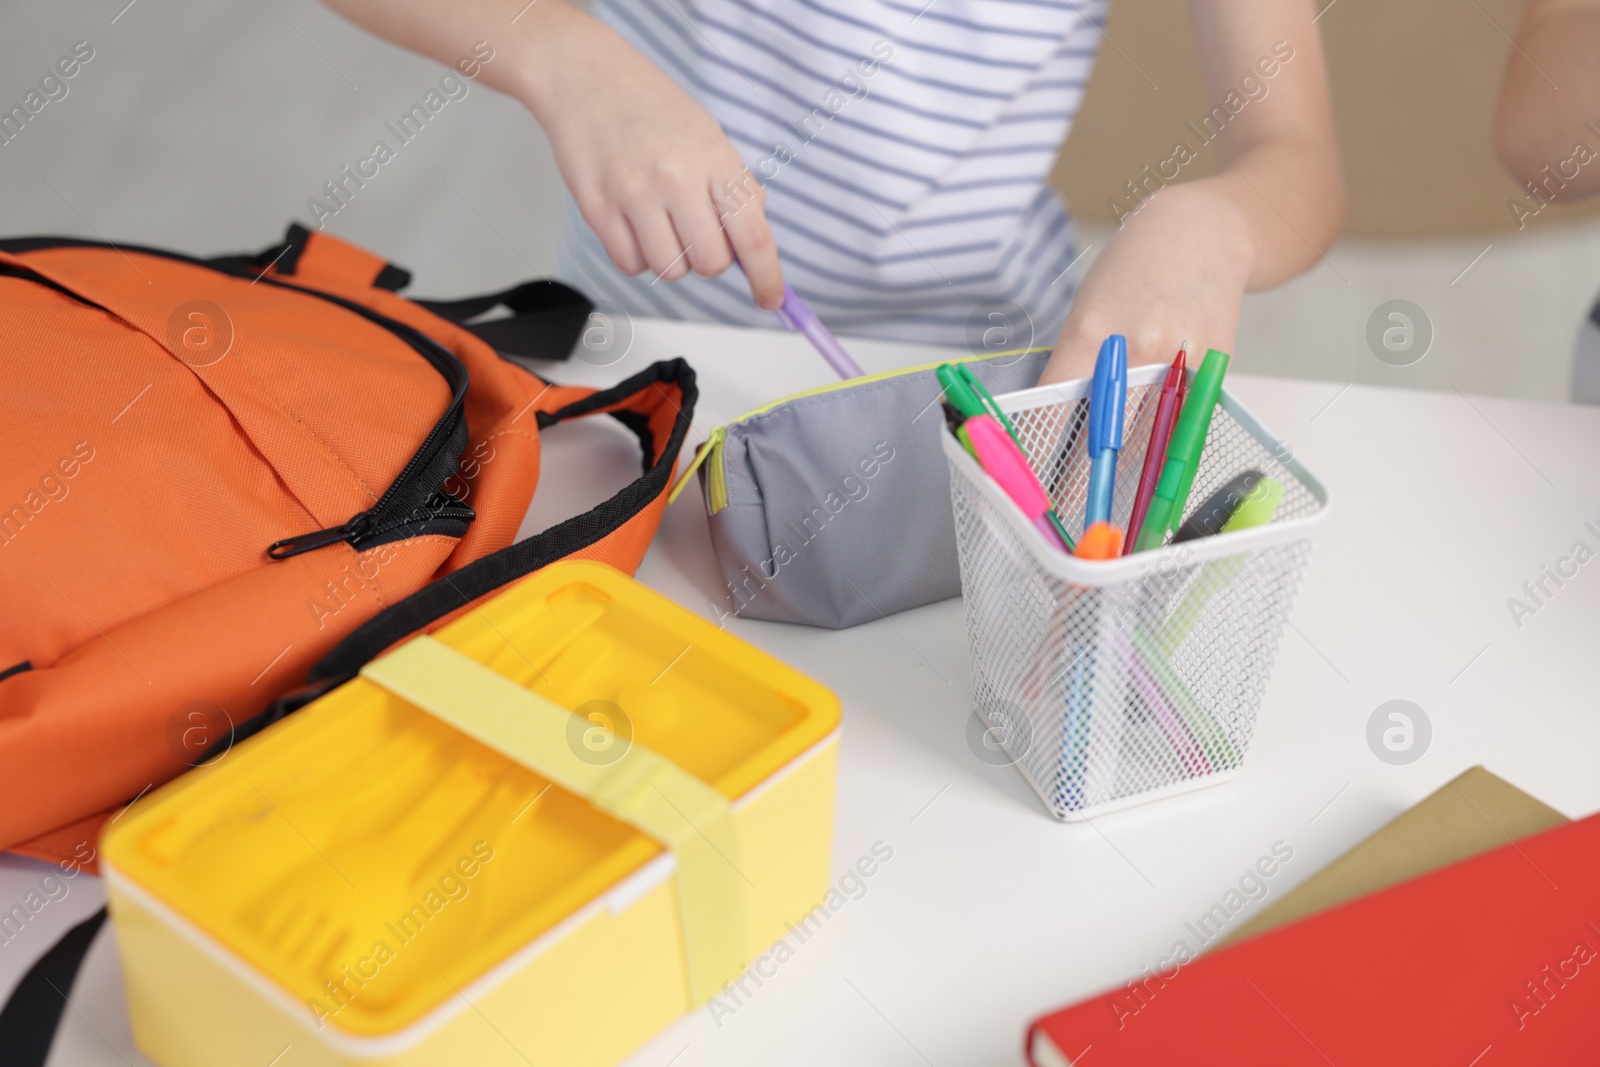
column 1173, row 390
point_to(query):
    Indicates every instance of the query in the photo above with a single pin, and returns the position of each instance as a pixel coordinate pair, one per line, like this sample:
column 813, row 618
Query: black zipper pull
column 307, row 542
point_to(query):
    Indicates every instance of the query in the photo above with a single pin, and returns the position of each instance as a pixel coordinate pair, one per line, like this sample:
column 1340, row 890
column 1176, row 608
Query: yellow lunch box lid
column 320, row 848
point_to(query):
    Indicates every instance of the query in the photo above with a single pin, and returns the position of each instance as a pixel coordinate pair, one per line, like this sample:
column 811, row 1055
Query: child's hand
column 1175, row 272
column 650, row 169
column 1178, row 269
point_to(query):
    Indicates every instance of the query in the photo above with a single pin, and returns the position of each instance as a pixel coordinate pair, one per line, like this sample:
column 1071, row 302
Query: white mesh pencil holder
column 1110, row 683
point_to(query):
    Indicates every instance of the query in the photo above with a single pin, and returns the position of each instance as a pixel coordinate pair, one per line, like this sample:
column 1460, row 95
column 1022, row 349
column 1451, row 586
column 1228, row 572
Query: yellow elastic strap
column 643, row 789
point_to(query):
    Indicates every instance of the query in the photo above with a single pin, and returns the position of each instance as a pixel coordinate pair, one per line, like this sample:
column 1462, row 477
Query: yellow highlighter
column 1257, row 509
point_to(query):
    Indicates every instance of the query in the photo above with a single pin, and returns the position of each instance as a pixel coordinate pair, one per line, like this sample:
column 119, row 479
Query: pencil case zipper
column 710, row 452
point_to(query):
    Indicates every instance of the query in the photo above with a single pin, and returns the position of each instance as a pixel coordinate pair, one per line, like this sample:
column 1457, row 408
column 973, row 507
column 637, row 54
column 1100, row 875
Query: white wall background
column 205, row 127
column 1505, row 327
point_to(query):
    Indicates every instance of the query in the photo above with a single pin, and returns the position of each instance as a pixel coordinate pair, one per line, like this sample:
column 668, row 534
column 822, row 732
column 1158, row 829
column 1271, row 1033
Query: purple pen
column 798, row 317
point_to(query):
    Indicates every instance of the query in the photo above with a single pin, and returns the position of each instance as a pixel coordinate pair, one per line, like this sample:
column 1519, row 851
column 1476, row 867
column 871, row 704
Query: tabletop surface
column 989, row 911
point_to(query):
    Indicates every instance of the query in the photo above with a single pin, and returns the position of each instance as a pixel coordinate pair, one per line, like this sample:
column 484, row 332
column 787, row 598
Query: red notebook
column 1492, row 961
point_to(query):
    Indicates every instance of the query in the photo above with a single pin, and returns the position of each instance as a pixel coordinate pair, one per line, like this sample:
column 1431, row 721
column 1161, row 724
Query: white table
column 990, row 911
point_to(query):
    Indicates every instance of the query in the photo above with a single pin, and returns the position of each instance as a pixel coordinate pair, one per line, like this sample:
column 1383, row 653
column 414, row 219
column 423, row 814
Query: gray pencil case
column 832, row 507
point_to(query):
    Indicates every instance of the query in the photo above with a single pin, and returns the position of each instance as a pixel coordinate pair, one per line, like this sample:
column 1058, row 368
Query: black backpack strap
column 545, row 322
column 283, row 257
column 29, row 1020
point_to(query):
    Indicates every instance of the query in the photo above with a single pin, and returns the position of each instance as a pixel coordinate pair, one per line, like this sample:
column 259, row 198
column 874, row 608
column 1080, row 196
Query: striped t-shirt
column 905, row 146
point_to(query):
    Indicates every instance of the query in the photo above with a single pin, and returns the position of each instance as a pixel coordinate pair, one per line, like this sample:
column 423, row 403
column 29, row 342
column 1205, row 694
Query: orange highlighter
column 1004, row 462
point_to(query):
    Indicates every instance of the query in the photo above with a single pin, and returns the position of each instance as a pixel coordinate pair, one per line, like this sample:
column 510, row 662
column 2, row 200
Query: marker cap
column 957, row 393
column 1100, row 541
column 1107, row 395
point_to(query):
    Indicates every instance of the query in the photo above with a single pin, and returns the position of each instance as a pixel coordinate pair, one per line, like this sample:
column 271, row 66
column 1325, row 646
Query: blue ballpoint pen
column 1107, row 399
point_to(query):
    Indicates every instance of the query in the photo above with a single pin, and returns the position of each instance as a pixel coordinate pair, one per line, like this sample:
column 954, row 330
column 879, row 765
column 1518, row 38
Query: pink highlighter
column 1003, row 461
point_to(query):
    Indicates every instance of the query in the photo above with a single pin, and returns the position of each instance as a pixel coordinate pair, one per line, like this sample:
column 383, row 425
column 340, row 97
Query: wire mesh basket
column 1110, row 683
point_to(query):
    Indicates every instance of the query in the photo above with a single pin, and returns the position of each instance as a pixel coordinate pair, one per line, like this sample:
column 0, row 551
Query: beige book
column 1472, row 813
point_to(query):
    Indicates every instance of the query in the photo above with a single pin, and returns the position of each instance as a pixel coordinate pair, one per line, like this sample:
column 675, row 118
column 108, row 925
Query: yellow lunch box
column 538, row 836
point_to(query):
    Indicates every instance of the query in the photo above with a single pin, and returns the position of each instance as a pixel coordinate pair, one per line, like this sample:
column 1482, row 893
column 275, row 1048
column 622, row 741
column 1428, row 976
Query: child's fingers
column 752, row 241
column 662, row 248
column 695, row 220
column 616, row 237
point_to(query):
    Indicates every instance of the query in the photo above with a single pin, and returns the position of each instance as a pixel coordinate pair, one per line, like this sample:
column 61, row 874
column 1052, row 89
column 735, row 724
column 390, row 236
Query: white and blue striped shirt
column 906, row 152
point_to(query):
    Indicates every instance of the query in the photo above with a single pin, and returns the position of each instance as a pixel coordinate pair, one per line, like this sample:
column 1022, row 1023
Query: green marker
column 990, row 404
column 967, row 395
column 1183, row 452
column 956, row 392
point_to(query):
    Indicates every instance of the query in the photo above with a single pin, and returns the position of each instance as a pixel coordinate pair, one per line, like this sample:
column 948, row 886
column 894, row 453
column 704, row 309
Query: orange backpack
column 227, row 479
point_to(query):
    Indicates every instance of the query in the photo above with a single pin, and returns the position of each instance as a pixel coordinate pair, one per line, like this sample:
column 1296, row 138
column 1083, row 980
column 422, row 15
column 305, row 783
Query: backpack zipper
column 365, row 528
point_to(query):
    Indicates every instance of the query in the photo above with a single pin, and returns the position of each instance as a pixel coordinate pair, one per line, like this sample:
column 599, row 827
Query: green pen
column 967, row 395
column 1183, row 452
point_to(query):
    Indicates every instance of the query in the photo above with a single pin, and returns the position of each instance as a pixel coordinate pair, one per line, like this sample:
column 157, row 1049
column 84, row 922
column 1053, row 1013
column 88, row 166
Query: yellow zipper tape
column 717, row 471
column 699, row 457
column 643, row 789
column 717, row 477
